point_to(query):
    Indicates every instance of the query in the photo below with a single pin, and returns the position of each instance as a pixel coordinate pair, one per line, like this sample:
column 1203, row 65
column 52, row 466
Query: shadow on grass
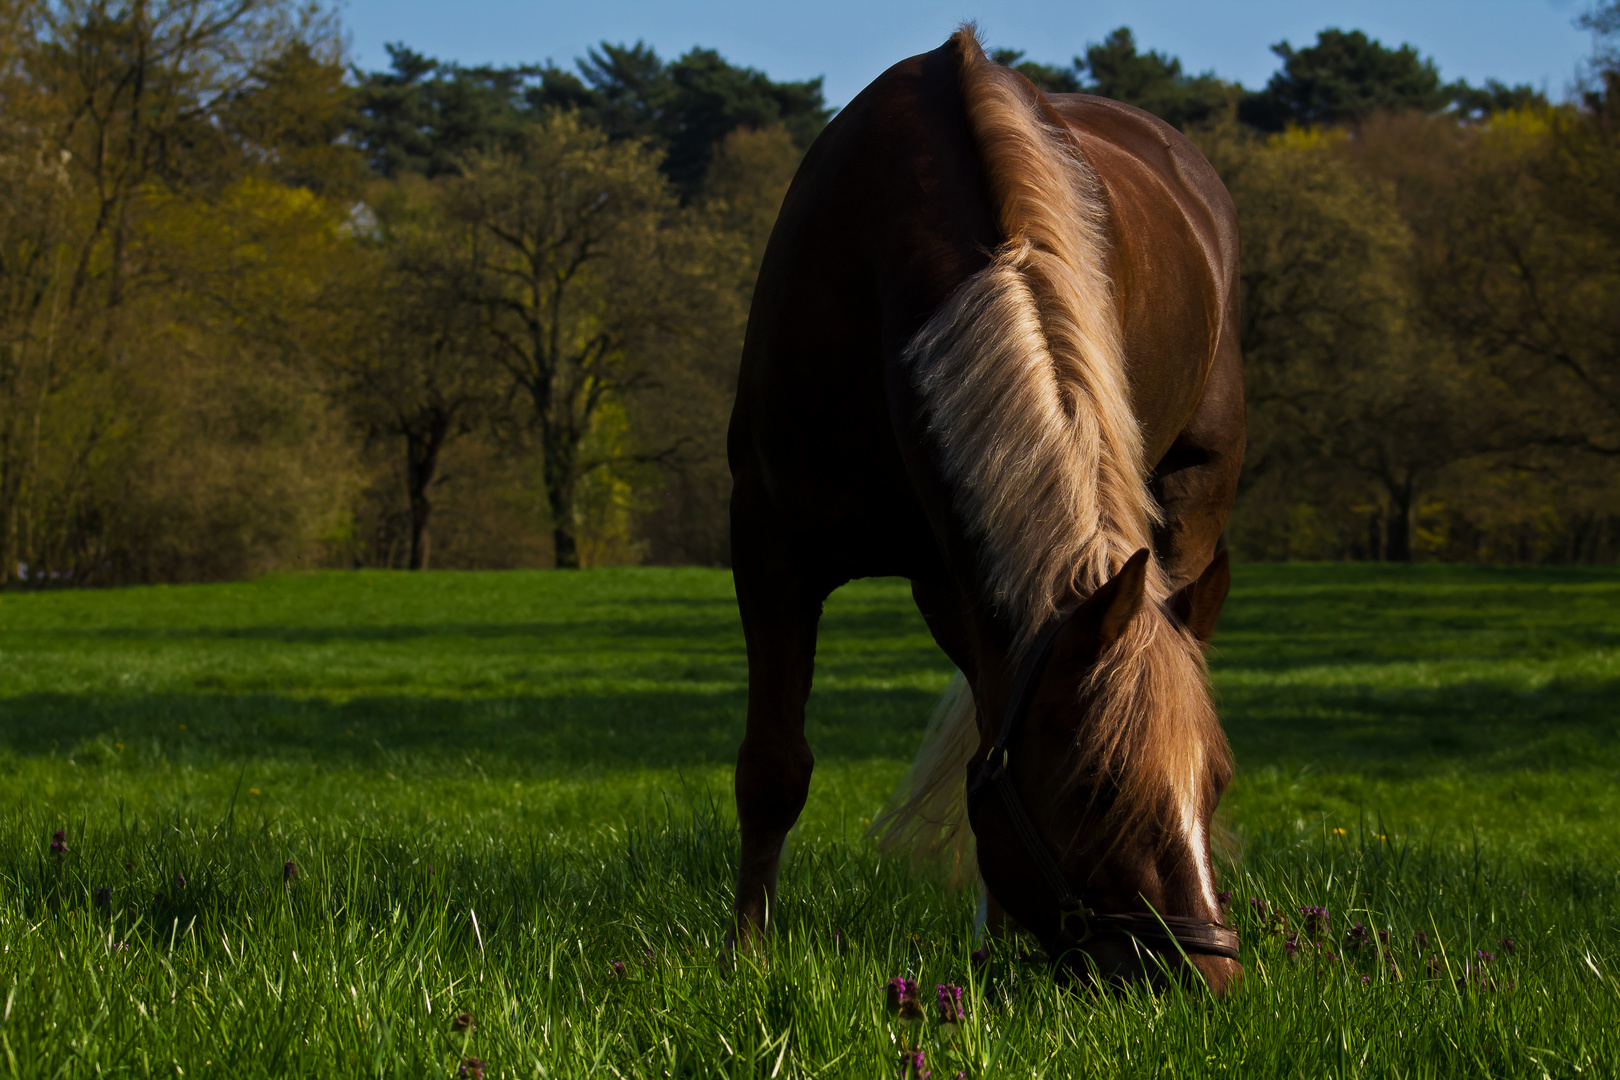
column 517, row 734
column 1282, row 618
column 1390, row 733
column 556, row 636
column 684, row 622
column 1421, row 731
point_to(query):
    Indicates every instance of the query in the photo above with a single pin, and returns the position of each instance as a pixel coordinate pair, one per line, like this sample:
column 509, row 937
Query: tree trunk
column 1398, row 545
column 421, row 464
column 564, row 541
column 566, row 547
column 561, row 448
column 421, row 510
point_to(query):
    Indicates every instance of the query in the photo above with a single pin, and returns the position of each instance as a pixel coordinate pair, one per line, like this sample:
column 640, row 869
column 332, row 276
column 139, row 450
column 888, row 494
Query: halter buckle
column 1077, row 911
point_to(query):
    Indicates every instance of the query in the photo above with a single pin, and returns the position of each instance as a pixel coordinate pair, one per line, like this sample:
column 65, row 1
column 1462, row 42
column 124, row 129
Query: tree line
column 260, row 309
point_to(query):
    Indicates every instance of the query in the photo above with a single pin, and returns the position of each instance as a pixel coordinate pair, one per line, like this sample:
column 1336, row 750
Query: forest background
column 260, row 309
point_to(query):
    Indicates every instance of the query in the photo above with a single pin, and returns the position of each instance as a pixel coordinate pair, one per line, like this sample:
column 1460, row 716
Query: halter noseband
column 1160, row 933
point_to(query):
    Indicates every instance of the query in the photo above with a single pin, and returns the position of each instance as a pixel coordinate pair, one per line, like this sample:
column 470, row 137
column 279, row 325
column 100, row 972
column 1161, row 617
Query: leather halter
column 1160, row 933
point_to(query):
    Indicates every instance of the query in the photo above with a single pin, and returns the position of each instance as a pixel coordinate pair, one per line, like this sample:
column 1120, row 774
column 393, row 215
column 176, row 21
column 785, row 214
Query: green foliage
column 1402, row 293
column 294, row 112
column 1343, row 79
column 1353, row 408
column 1347, row 78
column 1152, row 80
column 164, row 285
column 1155, row 82
column 1481, row 102
column 426, row 116
column 492, row 786
column 1603, row 21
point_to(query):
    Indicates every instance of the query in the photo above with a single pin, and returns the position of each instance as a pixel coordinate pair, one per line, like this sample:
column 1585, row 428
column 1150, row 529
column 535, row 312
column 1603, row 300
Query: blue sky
column 851, row 41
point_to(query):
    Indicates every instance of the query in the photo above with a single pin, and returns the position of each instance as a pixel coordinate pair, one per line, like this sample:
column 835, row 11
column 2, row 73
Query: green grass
column 494, row 785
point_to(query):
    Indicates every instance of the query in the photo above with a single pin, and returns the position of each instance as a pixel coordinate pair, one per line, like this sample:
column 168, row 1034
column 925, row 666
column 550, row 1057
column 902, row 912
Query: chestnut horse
column 993, row 349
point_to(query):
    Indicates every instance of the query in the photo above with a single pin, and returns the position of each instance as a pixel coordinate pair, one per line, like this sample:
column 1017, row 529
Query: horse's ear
column 1103, row 618
column 1198, row 603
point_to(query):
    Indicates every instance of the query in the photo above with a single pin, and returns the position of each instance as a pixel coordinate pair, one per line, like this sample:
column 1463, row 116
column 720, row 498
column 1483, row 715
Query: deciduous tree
column 580, row 273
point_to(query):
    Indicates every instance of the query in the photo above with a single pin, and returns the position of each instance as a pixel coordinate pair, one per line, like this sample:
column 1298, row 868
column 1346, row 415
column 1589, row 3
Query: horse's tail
column 926, row 816
column 1022, row 370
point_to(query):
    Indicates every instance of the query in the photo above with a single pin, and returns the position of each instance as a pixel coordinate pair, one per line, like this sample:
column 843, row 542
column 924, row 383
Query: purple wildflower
column 1317, row 921
column 900, row 990
column 1358, row 936
column 471, row 1069
column 1257, row 907
column 980, row 957
column 617, row 966
column 179, row 882
column 464, row 1023
column 895, row 990
column 1291, row 946
column 948, row 1001
column 1223, row 897
column 1507, row 945
column 289, row 872
column 903, row 999
column 59, row 843
column 1365, row 979
column 911, row 1065
column 1480, row 977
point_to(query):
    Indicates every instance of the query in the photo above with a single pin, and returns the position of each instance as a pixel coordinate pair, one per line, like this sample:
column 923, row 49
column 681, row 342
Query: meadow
column 464, row 824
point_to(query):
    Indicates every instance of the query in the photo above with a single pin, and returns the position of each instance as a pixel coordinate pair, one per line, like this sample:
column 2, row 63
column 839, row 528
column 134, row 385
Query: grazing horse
column 993, row 349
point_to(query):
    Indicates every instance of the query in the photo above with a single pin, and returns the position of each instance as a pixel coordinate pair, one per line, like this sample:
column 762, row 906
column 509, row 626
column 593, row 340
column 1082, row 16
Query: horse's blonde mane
column 1022, row 375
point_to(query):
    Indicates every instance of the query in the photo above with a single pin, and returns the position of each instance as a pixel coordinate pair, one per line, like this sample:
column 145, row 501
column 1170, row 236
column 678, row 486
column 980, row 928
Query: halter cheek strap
column 1077, row 923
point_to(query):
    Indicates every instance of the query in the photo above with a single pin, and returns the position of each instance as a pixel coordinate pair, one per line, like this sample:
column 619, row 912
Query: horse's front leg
column 780, row 610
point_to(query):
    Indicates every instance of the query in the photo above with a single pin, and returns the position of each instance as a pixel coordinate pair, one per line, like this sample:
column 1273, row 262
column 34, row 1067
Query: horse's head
column 1115, row 761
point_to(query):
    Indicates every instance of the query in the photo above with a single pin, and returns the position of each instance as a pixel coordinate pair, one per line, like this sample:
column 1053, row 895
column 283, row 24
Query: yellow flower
column 1338, row 832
